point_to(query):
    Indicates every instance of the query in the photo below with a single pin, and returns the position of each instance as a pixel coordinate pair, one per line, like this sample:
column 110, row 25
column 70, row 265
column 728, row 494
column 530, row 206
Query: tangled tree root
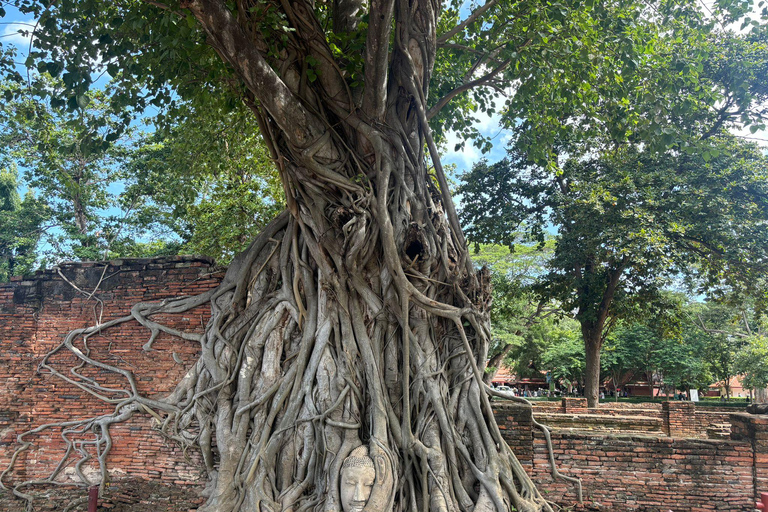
column 295, row 371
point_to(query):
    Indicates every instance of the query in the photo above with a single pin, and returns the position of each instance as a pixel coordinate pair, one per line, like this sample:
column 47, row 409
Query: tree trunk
column 356, row 317
column 592, row 321
column 592, row 344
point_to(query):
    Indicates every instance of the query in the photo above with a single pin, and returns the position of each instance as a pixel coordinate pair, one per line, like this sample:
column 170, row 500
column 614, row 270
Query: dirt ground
column 122, row 496
column 133, row 496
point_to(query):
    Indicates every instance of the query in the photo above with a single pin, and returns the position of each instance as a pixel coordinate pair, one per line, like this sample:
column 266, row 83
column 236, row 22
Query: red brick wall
column 35, row 315
column 753, row 429
column 515, row 424
column 674, row 418
column 648, row 473
column 621, row 471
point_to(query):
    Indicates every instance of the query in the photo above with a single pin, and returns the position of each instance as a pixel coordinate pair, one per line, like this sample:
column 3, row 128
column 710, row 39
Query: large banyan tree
column 356, row 317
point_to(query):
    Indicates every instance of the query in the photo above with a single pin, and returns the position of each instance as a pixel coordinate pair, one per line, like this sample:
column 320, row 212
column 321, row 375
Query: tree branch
column 464, row 24
column 610, row 291
column 377, row 57
column 442, row 102
column 237, row 49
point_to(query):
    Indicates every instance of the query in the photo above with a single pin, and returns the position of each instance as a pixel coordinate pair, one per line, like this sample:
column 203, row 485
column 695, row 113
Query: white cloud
column 465, row 157
column 10, row 35
column 760, row 137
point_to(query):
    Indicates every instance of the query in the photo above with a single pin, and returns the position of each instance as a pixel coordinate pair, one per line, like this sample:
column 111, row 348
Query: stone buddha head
column 357, row 477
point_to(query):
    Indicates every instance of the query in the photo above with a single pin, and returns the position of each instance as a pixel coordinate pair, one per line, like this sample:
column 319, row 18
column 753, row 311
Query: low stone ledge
column 599, row 422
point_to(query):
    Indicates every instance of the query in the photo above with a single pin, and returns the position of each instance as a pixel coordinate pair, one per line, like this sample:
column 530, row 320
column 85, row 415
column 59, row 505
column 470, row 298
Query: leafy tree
column 204, row 184
column 207, row 178
column 618, row 358
column 357, row 316
column 68, row 160
column 564, row 358
column 641, row 350
column 628, row 222
column 752, row 363
column 680, row 364
column 725, row 330
column 515, row 308
column 21, row 224
column 598, row 158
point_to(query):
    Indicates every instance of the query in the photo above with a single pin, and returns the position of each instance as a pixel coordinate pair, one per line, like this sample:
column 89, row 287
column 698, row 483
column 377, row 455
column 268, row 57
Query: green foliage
column 205, row 184
column 68, row 160
column 628, row 225
column 663, row 75
column 21, row 224
column 516, row 313
column 752, row 362
column 726, row 331
column 622, row 353
column 208, row 179
column 565, row 356
column 680, row 364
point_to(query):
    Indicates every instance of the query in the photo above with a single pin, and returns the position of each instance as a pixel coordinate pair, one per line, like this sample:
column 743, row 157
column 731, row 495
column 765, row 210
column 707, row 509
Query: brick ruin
column 644, row 457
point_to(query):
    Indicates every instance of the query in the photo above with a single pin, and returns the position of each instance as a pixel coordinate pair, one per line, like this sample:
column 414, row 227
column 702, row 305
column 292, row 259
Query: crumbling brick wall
column 35, row 315
column 619, row 472
column 647, row 473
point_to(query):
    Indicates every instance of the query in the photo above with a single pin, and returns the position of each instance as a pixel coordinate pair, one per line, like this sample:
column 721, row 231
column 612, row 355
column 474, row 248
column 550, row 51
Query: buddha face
column 355, row 488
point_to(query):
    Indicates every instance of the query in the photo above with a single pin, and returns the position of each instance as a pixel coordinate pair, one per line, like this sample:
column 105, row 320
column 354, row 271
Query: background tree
column 205, row 179
column 587, row 159
column 752, row 364
column 71, row 159
column 202, row 183
column 627, row 223
column 564, row 358
column 618, row 359
column 725, row 331
column 680, row 364
column 21, row 225
column 515, row 308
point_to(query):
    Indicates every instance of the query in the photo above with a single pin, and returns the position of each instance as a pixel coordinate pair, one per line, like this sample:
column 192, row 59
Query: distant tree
column 627, row 166
column 202, row 183
column 71, row 159
column 564, row 358
column 206, row 178
column 628, row 222
column 21, row 225
column 751, row 363
column 680, row 363
column 725, row 330
column 515, row 308
column 619, row 354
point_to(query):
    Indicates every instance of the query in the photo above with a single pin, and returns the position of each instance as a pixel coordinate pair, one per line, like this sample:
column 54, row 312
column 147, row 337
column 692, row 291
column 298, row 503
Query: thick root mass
column 355, row 318
column 303, row 361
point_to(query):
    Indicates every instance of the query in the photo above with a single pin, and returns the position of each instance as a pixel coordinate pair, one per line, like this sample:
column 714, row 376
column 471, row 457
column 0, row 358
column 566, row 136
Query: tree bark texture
column 356, row 317
column 593, row 342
